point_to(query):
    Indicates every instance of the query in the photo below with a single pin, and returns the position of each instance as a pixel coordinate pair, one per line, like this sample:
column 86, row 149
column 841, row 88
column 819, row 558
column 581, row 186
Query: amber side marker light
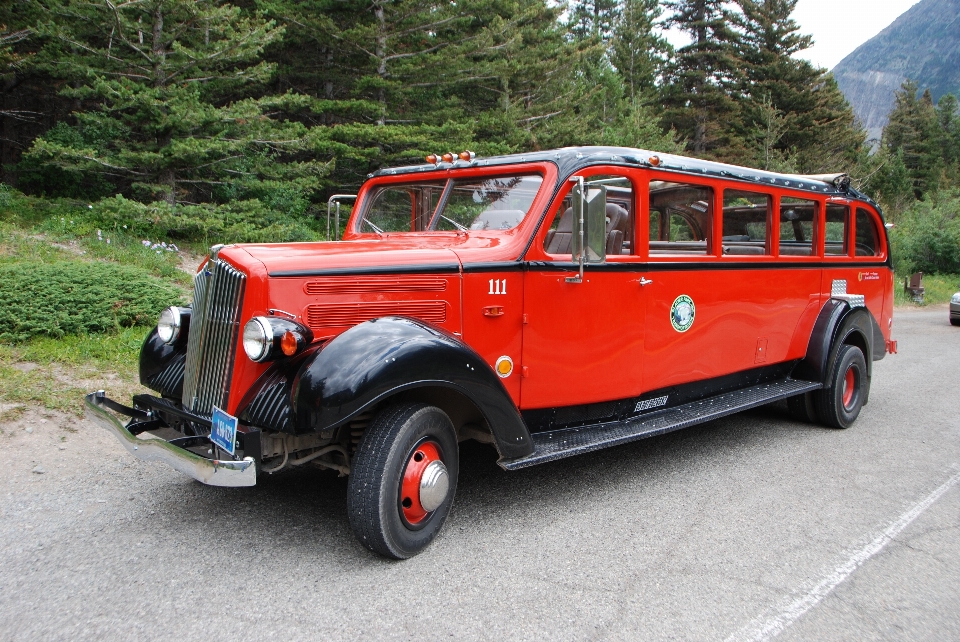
column 654, row 161
column 288, row 343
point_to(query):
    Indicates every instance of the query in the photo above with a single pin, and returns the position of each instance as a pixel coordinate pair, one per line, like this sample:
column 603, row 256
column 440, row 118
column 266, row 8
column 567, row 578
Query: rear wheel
column 839, row 404
column 954, row 321
column 403, row 479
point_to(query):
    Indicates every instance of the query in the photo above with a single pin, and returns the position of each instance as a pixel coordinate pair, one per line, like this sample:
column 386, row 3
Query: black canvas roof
column 571, row 159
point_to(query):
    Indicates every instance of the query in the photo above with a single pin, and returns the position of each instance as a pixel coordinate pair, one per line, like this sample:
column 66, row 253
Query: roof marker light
column 467, row 156
column 654, row 161
column 448, row 157
column 432, row 159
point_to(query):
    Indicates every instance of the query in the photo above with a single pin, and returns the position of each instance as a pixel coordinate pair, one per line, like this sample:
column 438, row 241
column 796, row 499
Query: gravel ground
column 740, row 529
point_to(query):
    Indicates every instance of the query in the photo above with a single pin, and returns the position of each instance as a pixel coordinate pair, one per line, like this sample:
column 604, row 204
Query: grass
column 938, row 288
column 57, row 373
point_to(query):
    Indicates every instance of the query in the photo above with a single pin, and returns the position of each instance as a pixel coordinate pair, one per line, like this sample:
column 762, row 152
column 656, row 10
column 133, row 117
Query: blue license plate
column 223, row 431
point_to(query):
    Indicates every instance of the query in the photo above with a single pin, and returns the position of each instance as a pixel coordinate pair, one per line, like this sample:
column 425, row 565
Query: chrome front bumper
column 209, row 471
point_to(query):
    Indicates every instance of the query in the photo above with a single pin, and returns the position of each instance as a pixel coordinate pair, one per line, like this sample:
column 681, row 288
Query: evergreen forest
column 202, row 120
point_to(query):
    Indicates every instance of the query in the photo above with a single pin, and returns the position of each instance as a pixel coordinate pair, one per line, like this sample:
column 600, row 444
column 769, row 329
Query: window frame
column 563, row 191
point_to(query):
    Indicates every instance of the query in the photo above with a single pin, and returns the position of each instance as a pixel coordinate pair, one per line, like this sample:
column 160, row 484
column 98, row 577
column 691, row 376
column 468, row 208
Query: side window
column 797, row 226
column 867, row 238
column 402, row 208
column 620, row 216
column 746, row 223
column 838, row 220
column 681, row 216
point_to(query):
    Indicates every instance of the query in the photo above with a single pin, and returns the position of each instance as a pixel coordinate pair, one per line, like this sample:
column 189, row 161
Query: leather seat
column 558, row 241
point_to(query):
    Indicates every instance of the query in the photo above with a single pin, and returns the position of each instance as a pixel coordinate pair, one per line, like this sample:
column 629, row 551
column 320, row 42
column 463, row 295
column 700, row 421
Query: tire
column 954, row 321
column 395, row 499
column 848, row 385
column 803, row 408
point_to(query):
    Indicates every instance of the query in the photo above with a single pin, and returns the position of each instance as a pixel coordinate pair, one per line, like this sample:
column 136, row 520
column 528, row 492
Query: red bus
column 548, row 304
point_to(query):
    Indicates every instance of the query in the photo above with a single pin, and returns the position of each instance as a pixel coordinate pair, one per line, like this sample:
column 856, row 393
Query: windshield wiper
column 455, row 224
column 375, row 228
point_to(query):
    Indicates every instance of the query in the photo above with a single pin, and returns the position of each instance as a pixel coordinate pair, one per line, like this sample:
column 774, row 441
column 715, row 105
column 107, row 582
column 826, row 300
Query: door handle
column 645, row 281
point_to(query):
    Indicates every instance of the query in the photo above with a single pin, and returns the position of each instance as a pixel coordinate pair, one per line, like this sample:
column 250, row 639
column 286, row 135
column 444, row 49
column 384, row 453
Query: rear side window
column 797, row 226
column 838, row 221
column 746, row 223
column 681, row 216
column 867, row 238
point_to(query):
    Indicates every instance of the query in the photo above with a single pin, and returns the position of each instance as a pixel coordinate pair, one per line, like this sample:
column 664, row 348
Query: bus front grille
column 211, row 344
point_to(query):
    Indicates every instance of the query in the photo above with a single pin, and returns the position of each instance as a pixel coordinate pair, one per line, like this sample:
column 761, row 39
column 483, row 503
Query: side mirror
column 589, row 242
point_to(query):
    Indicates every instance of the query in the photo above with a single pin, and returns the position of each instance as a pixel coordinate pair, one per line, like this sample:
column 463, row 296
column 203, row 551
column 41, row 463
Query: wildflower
column 146, row 243
column 173, row 248
column 163, row 245
column 124, row 227
column 90, row 207
column 108, row 241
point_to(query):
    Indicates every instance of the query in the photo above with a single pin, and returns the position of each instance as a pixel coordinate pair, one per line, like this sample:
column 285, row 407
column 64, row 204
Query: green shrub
column 926, row 237
column 247, row 221
column 56, row 299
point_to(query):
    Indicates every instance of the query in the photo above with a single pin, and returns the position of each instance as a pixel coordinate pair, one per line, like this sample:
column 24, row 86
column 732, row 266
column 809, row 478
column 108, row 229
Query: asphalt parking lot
column 747, row 528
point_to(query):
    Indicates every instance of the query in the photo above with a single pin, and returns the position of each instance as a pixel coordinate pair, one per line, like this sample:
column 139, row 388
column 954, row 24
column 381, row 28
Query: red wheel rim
column 421, row 457
column 849, row 387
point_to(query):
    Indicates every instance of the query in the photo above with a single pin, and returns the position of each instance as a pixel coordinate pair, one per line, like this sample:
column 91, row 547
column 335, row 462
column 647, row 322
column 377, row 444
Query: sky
column 837, row 26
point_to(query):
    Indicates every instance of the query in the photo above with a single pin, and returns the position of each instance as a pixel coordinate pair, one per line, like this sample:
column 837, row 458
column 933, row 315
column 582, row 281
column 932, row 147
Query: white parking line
column 766, row 628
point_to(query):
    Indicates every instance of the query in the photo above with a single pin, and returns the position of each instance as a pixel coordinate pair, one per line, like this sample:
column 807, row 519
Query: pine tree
column 913, row 133
column 638, row 51
column 172, row 81
column 817, row 131
column 698, row 96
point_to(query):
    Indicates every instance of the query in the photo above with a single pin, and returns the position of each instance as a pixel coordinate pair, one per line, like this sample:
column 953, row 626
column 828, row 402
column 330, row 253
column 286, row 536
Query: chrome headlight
column 173, row 323
column 955, row 298
column 266, row 338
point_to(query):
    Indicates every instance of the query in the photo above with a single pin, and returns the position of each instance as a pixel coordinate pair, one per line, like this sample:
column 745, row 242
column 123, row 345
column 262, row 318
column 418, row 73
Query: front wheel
column 839, row 404
column 403, row 479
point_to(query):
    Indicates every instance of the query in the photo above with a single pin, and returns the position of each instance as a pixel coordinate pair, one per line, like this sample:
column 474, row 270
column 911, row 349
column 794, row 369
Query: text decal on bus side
column 498, row 286
column 682, row 313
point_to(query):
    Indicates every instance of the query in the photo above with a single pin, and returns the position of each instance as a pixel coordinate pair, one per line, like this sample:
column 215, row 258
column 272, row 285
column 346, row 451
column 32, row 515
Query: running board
column 566, row 442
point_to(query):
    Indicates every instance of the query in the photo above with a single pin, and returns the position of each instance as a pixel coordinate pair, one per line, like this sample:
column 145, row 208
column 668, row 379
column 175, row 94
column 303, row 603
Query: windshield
column 484, row 203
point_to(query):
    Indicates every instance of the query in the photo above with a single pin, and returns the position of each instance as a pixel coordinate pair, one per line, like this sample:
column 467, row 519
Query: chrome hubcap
column 434, row 484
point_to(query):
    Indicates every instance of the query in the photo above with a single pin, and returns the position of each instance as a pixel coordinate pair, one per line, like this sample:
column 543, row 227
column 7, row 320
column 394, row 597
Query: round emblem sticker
column 682, row 313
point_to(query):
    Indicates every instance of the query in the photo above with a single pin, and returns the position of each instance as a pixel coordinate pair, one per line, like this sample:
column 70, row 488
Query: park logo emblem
column 682, row 313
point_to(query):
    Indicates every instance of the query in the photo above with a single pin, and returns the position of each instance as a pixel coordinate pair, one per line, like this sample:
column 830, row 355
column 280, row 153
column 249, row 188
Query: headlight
column 955, row 298
column 266, row 338
column 173, row 323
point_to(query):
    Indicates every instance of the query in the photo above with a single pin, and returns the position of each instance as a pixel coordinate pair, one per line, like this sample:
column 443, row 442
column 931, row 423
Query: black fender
column 379, row 358
column 161, row 365
column 839, row 323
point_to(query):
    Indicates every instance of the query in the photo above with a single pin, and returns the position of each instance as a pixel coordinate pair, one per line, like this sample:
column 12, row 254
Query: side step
column 566, row 442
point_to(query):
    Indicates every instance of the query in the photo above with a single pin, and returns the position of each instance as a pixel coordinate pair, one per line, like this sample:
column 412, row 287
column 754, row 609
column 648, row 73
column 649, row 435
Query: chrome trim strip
column 208, row 471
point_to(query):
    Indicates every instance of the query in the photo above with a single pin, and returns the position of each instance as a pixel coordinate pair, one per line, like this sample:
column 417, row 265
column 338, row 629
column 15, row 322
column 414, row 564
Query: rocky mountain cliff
column 923, row 44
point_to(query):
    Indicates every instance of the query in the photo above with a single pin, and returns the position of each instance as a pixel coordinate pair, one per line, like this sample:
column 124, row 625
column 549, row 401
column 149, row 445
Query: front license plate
column 223, row 432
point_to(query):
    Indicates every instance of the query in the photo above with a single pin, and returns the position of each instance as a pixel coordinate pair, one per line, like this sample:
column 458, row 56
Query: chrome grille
column 214, row 325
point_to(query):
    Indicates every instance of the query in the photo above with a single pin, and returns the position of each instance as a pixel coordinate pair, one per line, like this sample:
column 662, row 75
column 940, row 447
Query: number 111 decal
column 498, row 286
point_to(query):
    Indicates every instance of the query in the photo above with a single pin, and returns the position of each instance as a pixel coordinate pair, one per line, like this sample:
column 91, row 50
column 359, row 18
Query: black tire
column 954, row 321
column 848, row 385
column 803, row 408
column 374, row 500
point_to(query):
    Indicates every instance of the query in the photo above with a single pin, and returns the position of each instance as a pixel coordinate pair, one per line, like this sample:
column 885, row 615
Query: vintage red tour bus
column 548, row 304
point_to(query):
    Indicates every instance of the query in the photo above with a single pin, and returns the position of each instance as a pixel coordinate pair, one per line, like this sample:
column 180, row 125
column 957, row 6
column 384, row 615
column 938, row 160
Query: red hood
column 290, row 259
